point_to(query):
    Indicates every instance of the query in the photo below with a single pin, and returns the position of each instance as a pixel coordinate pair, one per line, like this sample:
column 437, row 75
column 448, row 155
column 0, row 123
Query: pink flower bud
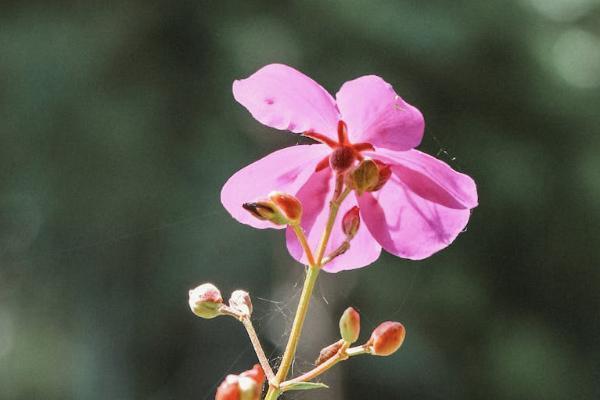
column 255, row 373
column 351, row 222
column 350, row 325
column 387, row 338
column 328, row 352
column 288, row 205
column 364, row 177
column 205, row 301
column 229, row 389
column 240, row 301
column 341, row 159
column 246, row 386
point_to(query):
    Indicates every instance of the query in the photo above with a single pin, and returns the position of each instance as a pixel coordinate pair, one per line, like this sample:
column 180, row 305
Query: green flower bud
column 364, row 177
column 350, row 325
column 205, row 301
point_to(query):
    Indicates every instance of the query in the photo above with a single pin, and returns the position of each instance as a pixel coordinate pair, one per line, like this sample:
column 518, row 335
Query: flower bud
column 229, row 389
column 288, row 205
column 255, row 373
column 328, row 352
column 364, row 177
column 246, row 386
column 280, row 209
column 205, row 301
column 350, row 325
column 249, row 390
column 265, row 211
column 351, row 222
column 341, row 159
column 240, row 301
column 386, row 338
column 384, row 175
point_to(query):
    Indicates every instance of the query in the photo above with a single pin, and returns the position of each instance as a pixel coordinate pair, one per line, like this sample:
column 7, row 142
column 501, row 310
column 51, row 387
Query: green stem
column 309, row 285
column 292, row 345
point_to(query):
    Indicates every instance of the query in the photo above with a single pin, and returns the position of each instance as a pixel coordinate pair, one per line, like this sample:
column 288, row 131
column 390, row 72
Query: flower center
column 344, row 153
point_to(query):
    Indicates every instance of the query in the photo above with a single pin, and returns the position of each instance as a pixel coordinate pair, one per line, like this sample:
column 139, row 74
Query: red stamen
column 343, row 133
column 363, row 147
column 324, row 163
column 319, row 137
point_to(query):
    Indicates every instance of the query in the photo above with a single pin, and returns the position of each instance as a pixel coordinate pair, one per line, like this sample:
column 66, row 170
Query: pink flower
column 421, row 208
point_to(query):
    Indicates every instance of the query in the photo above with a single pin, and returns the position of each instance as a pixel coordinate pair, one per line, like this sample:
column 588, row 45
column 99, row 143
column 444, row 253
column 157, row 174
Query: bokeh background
column 118, row 129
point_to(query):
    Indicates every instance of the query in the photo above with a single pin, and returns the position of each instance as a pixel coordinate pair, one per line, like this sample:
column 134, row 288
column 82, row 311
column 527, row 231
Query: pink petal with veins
column 408, row 225
column 376, row 114
column 430, row 178
column 284, row 98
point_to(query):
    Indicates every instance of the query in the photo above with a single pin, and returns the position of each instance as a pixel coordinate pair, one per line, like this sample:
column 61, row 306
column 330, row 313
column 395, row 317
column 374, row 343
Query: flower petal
column 406, row 224
column 284, row 98
column 285, row 170
column 430, row 178
column 315, row 195
column 375, row 114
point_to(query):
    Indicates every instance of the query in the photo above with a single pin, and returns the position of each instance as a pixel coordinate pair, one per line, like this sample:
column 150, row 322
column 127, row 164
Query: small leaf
column 305, row 386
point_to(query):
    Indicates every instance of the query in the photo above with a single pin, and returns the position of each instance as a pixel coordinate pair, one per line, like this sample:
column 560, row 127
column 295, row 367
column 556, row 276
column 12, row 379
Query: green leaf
column 305, row 386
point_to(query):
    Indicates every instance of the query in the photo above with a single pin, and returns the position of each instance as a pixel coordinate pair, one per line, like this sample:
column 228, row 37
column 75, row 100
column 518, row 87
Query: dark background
column 118, row 129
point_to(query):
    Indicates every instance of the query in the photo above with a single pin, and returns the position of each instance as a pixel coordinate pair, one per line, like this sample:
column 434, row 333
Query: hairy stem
column 260, row 353
column 343, row 354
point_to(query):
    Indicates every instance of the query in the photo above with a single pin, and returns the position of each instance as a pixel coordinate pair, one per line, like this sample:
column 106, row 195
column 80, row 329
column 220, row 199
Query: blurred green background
column 118, row 129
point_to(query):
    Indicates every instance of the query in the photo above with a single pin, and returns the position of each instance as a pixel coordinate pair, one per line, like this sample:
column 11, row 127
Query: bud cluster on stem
column 284, row 209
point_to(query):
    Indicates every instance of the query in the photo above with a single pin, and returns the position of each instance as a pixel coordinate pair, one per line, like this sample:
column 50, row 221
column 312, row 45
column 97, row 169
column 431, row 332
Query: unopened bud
column 229, row 389
column 248, row 389
column 341, row 159
column 387, row 338
column 288, row 205
column 350, row 325
column 265, row 211
column 351, row 222
column 364, row 177
column 205, row 301
column 246, row 386
column 255, row 373
column 328, row 352
column 385, row 172
column 279, row 208
column 240, row 301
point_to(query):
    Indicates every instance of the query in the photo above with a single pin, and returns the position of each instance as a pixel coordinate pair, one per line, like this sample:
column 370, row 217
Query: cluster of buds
column 246, row 386
column 279, row 208
column 385, row 340
column 368, row 176
column 206, row 302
